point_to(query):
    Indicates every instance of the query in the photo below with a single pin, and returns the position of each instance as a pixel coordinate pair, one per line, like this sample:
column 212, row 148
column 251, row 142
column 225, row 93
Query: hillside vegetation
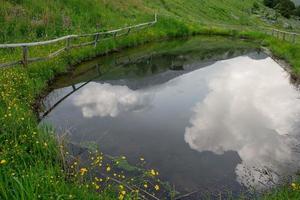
column 26, row 20
column 31, row 165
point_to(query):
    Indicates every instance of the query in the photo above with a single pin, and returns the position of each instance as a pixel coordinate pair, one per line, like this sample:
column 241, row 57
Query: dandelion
column 83, row 171
column 145, row 185
column 97, row 187
column 156, row 187
column 142, row 159
column 108, row 169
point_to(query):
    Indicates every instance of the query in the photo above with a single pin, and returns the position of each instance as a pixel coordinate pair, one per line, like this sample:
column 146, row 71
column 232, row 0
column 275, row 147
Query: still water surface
column 205, row 120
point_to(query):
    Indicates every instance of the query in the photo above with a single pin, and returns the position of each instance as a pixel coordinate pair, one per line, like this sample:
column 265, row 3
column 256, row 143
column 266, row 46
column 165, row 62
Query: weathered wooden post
column 25, row 56
column 68, row 44
column 128, row 31
column 96, row 40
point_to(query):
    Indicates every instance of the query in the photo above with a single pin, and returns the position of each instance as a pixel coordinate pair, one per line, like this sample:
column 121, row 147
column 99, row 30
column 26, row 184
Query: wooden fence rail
column 284, row 35
column 97, row 37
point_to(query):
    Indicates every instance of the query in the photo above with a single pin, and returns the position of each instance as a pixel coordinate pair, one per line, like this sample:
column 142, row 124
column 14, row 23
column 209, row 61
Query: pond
column 210, row 114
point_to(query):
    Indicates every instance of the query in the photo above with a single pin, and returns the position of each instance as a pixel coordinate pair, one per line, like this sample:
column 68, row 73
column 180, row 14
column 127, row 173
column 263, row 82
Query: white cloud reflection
column 250, row 109
column 102, row 100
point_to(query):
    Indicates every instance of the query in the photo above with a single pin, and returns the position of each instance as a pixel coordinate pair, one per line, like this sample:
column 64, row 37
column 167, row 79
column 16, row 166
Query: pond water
column 207, row 116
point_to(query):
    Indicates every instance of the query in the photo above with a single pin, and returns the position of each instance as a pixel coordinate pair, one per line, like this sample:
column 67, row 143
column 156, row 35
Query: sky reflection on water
column 235, row 122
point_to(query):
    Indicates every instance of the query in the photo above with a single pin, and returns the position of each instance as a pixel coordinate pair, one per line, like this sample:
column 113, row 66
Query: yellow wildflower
column 123, row 192
column 295, row 186
column 156, row 187
column 152, row 171
column 121, row 197
column 2, row 162
column 108, row 169
column 83, row 171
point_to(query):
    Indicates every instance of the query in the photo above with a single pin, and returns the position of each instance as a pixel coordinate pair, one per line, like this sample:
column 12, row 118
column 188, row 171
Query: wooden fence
column 284, row 35
column 97, row 37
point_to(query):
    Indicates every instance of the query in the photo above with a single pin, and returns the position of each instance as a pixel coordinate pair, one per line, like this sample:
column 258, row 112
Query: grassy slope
column 30, row 167
column 33, row 19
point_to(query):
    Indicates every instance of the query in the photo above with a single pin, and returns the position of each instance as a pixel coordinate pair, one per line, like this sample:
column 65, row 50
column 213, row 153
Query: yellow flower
column 295, row 186
column 123, row 157
column 2, row 162
column 123, row 192
column 97, row 187
column 145, row 185
column 156, row 187
column 142, row 159
column 121, row 197
column 83, row 171
column 108, row 169
column 152, row 172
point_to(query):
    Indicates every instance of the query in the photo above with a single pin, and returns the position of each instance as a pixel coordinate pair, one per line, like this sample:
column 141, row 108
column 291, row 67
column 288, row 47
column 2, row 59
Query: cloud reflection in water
column 250, row 109
column 106, row 100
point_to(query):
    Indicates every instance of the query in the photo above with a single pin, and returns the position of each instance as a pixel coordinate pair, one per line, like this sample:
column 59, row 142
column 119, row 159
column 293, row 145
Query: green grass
column 31, row 166
column 27, row 20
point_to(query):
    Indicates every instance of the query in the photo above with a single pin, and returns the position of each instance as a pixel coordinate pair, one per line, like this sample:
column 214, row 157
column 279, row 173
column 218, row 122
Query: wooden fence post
column 128, row 31
column 96, row 40
column 68, row 44
column 25, row 56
